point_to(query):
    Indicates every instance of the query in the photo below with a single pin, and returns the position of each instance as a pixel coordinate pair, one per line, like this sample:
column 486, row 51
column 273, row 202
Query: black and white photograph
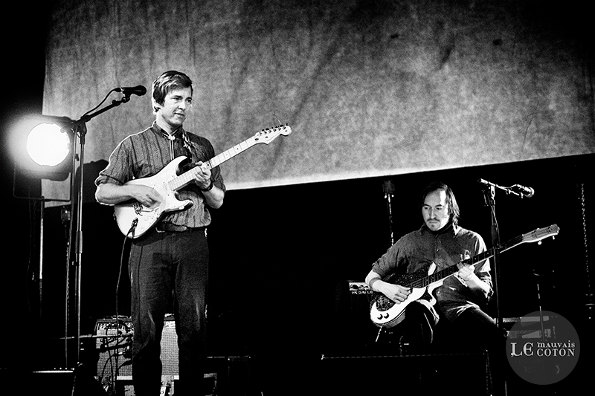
column 285, row 197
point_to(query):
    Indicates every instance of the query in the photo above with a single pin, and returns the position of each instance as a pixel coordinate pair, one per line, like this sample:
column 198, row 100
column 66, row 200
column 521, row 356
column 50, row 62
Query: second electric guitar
column 134, row 219
column 387, row 313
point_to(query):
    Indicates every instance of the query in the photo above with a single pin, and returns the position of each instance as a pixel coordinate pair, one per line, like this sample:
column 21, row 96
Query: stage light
column 48, row 144
column 42, row 147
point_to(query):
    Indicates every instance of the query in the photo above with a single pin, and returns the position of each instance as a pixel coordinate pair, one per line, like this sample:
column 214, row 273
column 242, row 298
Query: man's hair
column 453, row 206
column 168, row 81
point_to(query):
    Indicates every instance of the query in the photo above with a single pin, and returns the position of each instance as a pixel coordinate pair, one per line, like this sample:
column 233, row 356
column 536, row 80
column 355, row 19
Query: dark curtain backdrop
column 369, row 88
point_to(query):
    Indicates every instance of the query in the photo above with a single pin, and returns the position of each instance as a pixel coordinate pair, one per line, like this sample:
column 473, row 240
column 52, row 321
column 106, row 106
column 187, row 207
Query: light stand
column 388, row 188
column 73, row 220
column 39, row 277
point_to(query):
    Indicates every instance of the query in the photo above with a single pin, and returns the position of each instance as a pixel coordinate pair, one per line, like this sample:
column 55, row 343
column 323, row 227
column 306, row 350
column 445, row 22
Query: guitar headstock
column 267, row 135
column 541, row 233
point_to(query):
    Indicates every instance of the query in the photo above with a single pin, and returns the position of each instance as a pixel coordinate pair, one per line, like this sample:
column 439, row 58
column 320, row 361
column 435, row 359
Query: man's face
column 176, row 105
column 435, row 210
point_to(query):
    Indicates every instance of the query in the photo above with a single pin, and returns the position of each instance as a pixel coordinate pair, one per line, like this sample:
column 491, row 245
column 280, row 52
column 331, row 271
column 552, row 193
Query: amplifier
column 114, row 347
column 356, row 287
column 114, row 370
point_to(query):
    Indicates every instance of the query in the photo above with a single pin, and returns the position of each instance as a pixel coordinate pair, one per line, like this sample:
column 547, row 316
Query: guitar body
column 134, row 219
column 145, row 218
column 384, row 312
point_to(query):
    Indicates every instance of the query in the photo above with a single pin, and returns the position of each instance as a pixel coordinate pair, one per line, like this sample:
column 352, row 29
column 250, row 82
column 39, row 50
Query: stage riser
column 359, row 375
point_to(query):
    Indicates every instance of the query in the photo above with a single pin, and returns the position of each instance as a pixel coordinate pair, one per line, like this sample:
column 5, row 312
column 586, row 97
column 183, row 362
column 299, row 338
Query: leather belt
column 169, row 227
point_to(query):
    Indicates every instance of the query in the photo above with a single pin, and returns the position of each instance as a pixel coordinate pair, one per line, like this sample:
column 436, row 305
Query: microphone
column 138, row 90
column 485, row 182
column 516, row 189
column 523, row 191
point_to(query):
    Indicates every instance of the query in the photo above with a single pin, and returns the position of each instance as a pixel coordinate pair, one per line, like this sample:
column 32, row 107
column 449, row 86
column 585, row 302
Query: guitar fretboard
column 261, row 137
column 435, row 277
column 230, row 153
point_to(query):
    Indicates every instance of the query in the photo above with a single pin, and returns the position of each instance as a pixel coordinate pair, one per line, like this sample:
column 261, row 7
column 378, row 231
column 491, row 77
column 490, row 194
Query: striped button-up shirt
column 146, row 153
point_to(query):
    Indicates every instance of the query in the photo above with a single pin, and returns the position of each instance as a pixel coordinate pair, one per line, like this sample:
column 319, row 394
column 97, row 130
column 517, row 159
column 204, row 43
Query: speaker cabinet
column 224, row 374
column 114, row 346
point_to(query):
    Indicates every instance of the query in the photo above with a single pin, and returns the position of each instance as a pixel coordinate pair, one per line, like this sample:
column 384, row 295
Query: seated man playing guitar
column 414, row 286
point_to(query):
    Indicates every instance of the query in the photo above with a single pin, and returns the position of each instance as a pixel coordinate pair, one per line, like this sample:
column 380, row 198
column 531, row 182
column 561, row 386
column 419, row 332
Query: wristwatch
column 209, row 187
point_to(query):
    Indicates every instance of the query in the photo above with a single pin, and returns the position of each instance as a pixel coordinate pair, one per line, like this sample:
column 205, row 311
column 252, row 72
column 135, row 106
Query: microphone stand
column 389, row 191
column 79, row 129
column 490, row 200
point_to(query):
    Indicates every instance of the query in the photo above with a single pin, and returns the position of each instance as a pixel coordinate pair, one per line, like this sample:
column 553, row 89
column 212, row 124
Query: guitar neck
column 187, row 177
column 230, row 153
column 436, row 276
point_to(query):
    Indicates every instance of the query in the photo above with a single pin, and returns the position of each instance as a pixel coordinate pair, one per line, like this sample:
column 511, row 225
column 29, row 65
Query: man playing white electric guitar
column 169, row 256
column 441, row 272
column 405, row 287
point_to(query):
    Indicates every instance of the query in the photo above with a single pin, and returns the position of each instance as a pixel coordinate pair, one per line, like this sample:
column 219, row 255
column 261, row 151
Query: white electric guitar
column 134, row 219
column 384, row 312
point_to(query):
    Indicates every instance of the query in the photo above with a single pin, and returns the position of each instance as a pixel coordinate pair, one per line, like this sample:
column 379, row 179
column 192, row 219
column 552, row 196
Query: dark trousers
column 169, row 272
column 475, row 330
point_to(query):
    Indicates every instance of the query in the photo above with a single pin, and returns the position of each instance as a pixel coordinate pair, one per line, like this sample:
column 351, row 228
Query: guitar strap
column 181, row 145
column 190, row 149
